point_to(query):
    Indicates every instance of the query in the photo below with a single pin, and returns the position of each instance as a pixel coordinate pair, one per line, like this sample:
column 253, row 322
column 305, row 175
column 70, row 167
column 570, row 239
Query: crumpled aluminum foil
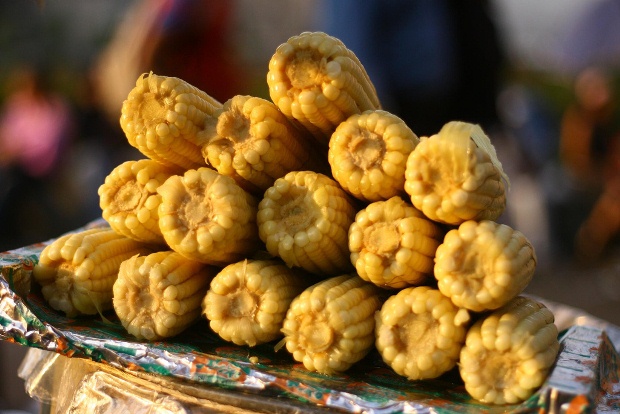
column 585, row 377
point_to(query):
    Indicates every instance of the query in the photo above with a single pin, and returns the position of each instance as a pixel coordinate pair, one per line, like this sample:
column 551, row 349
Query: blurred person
column 117, row 68
column 590, row 153
column 602, row 226
column 35, row 129
column 430, row 61
column 34, row 125
column 98, row 147
column 588, row 126
column 195, row 45
column 187, row 39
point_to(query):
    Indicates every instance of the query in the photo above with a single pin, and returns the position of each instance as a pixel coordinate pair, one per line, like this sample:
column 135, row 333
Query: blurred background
column 540, row 77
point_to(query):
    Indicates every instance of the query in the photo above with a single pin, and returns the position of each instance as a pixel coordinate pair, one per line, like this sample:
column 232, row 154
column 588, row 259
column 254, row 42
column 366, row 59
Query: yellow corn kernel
column 129, row 201
column 509, row 352
column 77, row 271
column 483, row 265
column 304, row 219
column 420, row 333
column 368, row 155
column 455, row 176
column 206, row 216
column 162, row 116
column 330, row 325
column 317, row 81
column 248, row 300
column 159, row 295
column 392, row 244
column 250, row 140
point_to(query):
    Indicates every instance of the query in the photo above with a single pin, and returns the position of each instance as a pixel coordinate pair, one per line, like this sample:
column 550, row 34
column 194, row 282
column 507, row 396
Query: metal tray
column 585, row 377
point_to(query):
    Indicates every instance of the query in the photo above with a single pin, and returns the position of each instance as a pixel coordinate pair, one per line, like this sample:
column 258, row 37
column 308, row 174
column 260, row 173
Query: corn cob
column 162, row 116
column 248, row 300
column 77, row 270
column 509, row 352
column 368, row 155
column 316, row 80
column 129, row 201
column 250, row 140
column 330, row 325
column 304, row 218
column 159, row 295
column 455, row 176
column 419, row 332
column 392, row 244
column 206, row 216
column 483, row 265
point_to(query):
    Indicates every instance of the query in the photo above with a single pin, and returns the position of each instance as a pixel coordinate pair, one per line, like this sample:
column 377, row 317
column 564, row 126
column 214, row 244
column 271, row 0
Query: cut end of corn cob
column 368, row 155
column 509, row 352
column 129, row 201
column 483, row 265
column 77, row 271
column 206, row 216
column 162, row 116
column 250, row 140
column 453, row 177
column 304, row 219
column 159, row 295
column 330, row 325
column 314, row 79
column 392, row 244
column 247, row 301
column 420, row 332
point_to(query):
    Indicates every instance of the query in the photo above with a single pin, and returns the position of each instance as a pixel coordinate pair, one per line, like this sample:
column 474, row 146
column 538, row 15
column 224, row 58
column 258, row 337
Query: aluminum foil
column 584, row 379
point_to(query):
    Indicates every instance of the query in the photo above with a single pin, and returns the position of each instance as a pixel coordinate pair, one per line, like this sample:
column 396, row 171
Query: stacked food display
column 315, row 222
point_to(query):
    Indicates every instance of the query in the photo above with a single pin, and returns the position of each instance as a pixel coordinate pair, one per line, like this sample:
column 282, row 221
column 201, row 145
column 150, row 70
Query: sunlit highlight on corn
column 317, row 81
